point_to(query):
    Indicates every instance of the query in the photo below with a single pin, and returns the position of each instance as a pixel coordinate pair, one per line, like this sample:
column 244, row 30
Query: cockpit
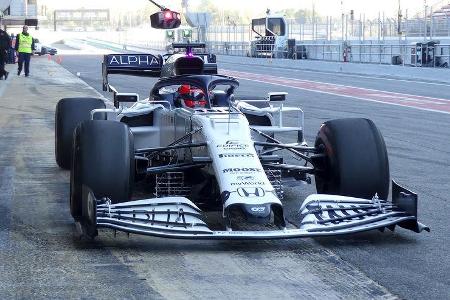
column 199, row 91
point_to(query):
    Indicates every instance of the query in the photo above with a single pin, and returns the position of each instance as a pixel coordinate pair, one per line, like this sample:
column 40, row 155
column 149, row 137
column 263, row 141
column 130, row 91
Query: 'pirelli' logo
column 237, row 155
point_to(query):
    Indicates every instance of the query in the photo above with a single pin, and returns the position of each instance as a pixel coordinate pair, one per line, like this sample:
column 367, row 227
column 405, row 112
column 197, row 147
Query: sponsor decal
column 258, row 209
column 236, row 155
column 140, row 61
column 246, row 177
column 241, row 170
column 233, row 145
column 247, row 183
column 251, row 192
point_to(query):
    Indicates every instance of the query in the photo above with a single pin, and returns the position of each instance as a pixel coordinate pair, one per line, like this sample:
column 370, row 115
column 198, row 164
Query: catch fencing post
column 431, row 22
column 302, row 31
column 379, row 27
column 242, row 40
column 360, row 51
column 391, row 52
column 448, row 24
column 346, row 27
column 234, row 48
column 221, row 38
column 323, row 51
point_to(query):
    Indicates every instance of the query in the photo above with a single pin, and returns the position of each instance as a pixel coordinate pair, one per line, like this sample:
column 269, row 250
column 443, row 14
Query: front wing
column 319, row 215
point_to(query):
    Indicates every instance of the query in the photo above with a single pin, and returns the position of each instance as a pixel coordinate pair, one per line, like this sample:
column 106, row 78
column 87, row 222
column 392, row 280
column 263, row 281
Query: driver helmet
column 191, row 97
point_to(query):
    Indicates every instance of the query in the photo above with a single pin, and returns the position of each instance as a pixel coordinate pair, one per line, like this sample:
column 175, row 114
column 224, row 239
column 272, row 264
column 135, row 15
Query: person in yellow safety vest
column 25, row 47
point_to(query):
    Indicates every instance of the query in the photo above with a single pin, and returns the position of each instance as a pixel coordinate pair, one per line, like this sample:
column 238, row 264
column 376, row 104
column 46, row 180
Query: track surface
column 373, row 95
column 410, row 265
column 39, row 258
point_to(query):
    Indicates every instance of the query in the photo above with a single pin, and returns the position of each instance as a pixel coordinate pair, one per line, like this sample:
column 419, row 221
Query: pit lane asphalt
column 413, row 266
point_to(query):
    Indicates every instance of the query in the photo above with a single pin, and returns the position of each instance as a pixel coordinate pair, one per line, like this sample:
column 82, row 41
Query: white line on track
column 337, row 85
column 375, row 77
column 346, row 96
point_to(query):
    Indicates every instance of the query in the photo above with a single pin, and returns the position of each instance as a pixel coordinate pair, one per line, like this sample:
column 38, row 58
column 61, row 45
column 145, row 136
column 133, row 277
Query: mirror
column 165, row 19
column 277, row 96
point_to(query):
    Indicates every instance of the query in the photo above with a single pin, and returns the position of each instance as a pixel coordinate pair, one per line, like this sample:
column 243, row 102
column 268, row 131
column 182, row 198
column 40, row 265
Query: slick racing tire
column 356, row 161
column 69, row 113
column 103, row 161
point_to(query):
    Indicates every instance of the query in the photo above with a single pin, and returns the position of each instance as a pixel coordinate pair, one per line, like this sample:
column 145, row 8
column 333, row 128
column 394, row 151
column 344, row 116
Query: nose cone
column 259, row 214
column 256, row 214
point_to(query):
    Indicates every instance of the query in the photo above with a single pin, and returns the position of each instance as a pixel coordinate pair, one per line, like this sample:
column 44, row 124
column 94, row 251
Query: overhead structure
column 81, row 17
column 19, row 12
column 199, row 20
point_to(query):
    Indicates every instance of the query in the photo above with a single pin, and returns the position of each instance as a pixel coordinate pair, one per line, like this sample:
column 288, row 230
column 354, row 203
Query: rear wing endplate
column 146, row 65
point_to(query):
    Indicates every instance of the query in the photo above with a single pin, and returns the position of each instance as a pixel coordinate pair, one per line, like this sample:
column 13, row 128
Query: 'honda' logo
column 251, row 192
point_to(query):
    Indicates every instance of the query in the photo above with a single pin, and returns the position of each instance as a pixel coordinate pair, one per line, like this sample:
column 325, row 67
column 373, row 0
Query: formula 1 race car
column 196, row 148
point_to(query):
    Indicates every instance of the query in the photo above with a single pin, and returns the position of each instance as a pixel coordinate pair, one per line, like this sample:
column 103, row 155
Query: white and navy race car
column 197, row 148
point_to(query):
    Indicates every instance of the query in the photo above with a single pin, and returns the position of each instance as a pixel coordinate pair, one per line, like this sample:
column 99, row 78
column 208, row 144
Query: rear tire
column 103, row 161
column 69, row 113
column 356, row 162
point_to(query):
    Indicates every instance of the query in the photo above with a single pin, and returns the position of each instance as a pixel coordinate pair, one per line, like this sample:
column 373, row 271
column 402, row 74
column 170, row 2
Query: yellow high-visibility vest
column 25, row 42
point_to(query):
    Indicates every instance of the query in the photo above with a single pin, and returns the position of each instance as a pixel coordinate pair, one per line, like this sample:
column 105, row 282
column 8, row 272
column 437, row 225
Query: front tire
column 103, row 161
column 68, row 114
column 356, row 161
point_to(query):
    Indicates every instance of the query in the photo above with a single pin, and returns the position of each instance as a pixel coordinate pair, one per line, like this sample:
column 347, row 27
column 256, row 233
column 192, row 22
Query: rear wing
column 188, row 45
column 147, row 65
column 189, row 48
column 209, row 59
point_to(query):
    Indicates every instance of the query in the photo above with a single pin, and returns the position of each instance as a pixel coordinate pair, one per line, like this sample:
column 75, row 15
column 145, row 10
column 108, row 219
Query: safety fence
column 345, row 28
column 416, row 54
column 237, row 43
column 381, row 41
